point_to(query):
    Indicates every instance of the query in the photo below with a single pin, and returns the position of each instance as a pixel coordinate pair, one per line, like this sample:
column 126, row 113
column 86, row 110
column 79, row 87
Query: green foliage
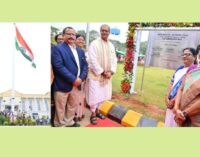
column 2, row 119
column 26, row 122
column 92, row 36
column 12, row 123
column 53, row 41
column 33, row 123
column 154, row 87
column 7, row 119
column 16, row 122
column 20, row 122
column 54, row 30
column 143, row 47
column 117, row 78
column 5, row 123
column 81, row 32
column 118, row 45
column 29, row 121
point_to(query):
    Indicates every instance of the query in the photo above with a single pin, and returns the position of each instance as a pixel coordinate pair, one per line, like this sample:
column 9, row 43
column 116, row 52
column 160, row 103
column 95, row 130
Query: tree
column 2, row 119
column 54, row 31
column 143, row 47
column 118, row 45
column 93, row 35
column 81, row 32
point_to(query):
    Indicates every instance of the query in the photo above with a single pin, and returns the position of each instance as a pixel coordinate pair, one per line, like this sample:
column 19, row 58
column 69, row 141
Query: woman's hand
column 170, row 103
column 179, row 117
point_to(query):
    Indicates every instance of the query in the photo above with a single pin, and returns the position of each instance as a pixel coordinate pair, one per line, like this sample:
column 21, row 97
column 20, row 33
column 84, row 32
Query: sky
column 96, row 26
column 27, row 79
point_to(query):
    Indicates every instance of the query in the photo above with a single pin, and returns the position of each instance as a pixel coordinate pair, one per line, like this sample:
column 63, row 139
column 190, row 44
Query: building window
column 46, row 104
column 30, row 100
column 0, row 100
column 38, row 103
column 23, row 104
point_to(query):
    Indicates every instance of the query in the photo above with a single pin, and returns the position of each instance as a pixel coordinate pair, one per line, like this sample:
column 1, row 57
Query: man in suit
column 70, row 69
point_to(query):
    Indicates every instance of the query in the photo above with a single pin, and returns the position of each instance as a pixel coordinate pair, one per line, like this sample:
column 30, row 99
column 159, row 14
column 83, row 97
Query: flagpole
column 87, row 35
column 13, row 75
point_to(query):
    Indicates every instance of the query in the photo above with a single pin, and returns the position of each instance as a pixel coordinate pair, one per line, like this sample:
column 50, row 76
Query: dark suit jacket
column 65, row 68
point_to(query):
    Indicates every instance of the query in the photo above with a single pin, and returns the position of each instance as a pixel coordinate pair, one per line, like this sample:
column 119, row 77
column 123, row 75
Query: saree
column 191, row 96
column 175, row 88
column 176, row 80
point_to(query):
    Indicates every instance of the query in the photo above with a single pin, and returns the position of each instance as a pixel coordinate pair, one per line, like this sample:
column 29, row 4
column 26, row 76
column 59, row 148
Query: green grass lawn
column 154, row 87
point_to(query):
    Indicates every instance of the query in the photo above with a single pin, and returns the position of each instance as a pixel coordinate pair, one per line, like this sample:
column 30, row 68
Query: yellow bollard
column 160, row 124
column 131, row 119
column 105, row 107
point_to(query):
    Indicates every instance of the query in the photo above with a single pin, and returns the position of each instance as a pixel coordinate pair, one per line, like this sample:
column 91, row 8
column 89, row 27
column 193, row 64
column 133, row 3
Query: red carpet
column 104, row 123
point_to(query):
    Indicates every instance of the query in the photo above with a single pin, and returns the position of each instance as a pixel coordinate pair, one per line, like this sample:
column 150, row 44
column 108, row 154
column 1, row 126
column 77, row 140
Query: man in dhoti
column 102, row 65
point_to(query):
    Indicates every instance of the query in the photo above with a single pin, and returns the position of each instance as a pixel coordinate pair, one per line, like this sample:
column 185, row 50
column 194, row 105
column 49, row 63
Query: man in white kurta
column 102, row 64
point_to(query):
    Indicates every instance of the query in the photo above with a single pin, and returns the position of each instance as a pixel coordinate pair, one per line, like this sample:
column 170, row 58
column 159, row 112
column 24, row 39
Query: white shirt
column 75, row 53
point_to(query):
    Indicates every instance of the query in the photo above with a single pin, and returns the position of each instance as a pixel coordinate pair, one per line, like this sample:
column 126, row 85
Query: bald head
column 105, row 25
column 105, row 31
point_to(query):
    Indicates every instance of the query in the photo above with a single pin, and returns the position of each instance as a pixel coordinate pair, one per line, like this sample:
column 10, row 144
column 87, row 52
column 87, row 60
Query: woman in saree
column 187, row 105
column 80, row 42
column 188, row 57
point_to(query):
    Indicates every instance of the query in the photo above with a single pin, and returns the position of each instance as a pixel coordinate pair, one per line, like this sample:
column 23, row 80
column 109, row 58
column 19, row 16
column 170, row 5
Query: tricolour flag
column 23, row 47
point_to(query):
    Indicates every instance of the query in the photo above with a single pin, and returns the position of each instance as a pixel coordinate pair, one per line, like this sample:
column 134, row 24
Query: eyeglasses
column 79, row 39
column 186, row 54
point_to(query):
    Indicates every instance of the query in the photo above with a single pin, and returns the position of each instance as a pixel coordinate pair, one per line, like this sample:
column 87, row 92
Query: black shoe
column 75, row 125
column 93, row 120
column 79, row 118
column 83, row 116
column 75, row 119
column 101, row 116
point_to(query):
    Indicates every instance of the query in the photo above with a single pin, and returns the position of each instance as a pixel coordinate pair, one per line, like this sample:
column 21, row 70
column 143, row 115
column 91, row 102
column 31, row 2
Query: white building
column 36, row 105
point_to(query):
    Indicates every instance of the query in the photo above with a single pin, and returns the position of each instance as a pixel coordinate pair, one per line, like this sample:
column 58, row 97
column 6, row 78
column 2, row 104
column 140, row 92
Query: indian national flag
column 23, row 47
